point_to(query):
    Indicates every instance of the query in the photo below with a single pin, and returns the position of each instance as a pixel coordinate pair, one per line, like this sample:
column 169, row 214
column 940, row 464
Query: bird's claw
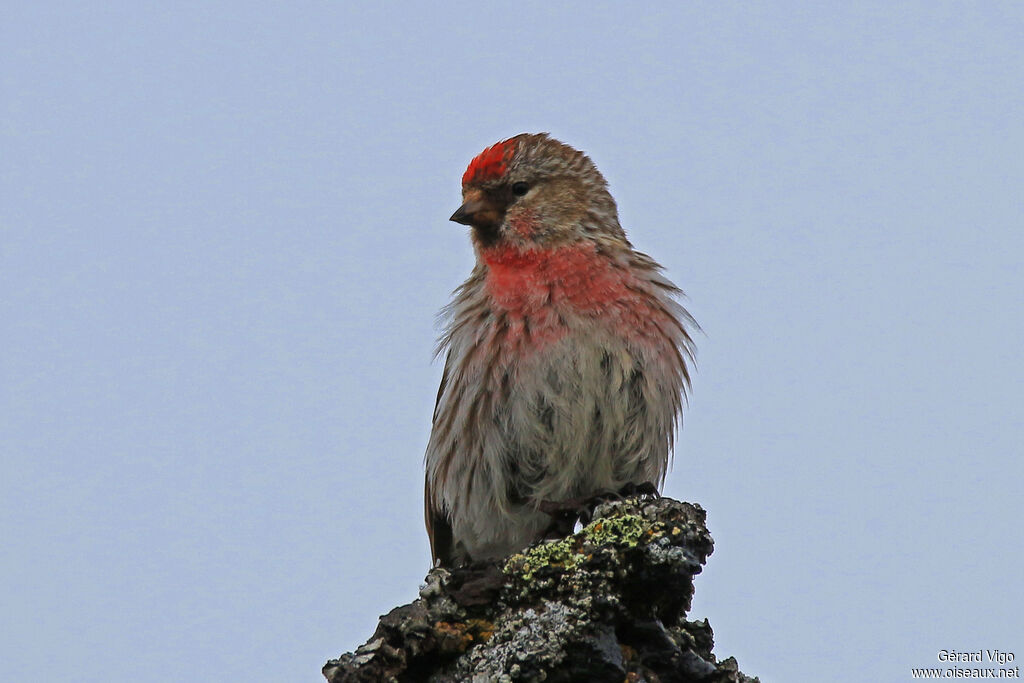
column 564, row 514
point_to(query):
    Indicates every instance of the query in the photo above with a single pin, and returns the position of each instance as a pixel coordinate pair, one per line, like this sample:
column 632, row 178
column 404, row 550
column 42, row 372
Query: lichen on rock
column 607, row 603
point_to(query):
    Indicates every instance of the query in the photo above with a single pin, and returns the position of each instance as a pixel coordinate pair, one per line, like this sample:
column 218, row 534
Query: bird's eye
column 520, row 188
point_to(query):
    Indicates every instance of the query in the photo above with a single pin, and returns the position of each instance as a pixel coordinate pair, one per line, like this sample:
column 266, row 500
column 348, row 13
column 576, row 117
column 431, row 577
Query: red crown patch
column 490, row 163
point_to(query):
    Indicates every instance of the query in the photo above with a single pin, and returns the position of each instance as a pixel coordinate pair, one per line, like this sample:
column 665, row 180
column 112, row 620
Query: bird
column 568, row 356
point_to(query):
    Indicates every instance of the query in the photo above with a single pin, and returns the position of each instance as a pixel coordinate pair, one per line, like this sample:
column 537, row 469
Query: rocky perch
column 605, row 604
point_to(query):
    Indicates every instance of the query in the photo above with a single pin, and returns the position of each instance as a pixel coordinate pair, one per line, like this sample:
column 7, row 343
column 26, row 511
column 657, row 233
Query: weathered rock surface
column 605, row 604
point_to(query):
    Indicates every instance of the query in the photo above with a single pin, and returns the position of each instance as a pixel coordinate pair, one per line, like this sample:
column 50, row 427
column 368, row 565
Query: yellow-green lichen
column 555, row 553
column 625, row 530
column 567, row 553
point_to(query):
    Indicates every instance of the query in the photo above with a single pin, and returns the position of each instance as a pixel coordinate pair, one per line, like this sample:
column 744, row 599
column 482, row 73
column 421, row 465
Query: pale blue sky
column 225, row 239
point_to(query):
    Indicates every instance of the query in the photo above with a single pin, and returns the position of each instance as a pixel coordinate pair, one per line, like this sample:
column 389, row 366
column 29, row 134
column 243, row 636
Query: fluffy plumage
column 567, row 355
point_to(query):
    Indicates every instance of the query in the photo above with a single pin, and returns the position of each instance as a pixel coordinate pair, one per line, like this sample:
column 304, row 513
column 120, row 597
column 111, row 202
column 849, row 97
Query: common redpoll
column 567, row 355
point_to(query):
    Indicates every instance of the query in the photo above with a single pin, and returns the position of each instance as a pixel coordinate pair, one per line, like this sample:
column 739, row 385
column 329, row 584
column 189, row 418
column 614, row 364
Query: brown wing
column 439, row 529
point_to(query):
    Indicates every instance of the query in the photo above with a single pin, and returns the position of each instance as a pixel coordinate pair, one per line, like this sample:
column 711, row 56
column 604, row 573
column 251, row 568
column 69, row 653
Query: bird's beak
column 464, row 214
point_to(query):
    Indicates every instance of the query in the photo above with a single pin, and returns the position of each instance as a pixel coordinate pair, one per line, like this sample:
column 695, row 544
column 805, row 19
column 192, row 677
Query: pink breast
column 536, row 289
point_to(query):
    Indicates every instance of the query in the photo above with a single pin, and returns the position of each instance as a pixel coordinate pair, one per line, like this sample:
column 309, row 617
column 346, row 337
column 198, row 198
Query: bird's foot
column 645, row 489
column 566, row 513
column 564, row 516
